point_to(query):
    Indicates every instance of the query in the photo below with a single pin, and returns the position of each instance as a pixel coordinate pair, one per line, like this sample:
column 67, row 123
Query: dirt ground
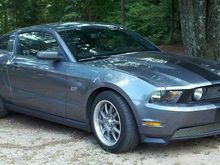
column 27, row 140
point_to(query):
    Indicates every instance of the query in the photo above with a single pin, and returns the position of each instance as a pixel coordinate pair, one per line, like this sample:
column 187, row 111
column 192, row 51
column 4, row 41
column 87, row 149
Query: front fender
column 131, row 88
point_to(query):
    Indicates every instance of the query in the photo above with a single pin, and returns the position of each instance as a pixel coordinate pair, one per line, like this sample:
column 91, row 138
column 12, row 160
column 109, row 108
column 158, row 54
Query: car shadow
column 36, row 123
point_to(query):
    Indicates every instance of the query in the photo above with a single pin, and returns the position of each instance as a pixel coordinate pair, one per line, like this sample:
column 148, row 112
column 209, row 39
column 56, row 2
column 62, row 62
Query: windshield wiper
column 93, row 58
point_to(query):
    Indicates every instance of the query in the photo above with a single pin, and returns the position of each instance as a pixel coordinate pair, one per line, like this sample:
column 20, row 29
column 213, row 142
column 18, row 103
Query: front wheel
column 113, row 123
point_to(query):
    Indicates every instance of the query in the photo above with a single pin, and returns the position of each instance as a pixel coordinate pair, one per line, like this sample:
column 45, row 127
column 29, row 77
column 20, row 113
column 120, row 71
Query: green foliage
column 148, row 18
column 151, row 18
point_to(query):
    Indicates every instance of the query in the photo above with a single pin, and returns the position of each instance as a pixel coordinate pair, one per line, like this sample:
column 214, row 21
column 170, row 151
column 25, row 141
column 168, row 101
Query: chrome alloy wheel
column 107, row 122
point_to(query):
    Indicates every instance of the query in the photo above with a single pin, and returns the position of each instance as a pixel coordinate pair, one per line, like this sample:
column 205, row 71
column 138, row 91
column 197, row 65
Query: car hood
column 162, row 69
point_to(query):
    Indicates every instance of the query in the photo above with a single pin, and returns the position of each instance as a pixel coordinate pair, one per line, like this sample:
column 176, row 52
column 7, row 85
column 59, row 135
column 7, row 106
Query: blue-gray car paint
column 62, row 91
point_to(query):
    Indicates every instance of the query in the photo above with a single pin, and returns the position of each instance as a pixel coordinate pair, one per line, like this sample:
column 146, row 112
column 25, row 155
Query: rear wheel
column 3, row 110
column 113, row 123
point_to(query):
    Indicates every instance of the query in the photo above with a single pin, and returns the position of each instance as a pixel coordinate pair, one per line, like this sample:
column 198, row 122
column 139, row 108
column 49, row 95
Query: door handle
column 15, row 66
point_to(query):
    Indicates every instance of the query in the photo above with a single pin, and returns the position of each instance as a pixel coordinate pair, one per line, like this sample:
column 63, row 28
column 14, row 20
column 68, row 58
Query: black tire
column 129, row 137
column 3, row 110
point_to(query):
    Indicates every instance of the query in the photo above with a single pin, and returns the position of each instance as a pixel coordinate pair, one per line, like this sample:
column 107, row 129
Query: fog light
column 153, row 124
column 198, row 93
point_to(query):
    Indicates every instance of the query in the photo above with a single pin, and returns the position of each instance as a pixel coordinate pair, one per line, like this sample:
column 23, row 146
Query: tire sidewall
column 3, row 111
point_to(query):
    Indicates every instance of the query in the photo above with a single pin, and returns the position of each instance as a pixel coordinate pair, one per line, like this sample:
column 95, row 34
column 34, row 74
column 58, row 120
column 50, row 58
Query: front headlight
column 165, row 96
column 156, row 96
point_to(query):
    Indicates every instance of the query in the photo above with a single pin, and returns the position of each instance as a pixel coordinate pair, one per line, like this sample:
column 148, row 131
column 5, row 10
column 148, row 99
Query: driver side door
column 38, row 84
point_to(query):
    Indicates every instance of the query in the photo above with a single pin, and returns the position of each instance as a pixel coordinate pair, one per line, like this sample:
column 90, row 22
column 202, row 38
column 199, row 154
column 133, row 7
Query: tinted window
column 4, row 42
column 29, row 44
column 93, row 42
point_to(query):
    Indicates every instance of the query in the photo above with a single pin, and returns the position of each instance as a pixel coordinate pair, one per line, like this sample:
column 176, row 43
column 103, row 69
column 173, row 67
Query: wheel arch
column 117, row 90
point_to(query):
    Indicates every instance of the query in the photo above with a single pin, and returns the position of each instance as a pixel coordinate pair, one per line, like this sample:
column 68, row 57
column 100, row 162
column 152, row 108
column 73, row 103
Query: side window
column 29, row 44
column 4, row 42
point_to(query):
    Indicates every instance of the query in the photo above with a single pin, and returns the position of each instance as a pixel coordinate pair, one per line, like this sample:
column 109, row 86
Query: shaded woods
column 159, row 20
column 155, row 19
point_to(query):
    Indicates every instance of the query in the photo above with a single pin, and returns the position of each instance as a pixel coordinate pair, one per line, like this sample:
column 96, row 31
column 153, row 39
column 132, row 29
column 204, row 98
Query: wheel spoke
column 106, row 108
column 110, row 109
column 116, row 130
column 104, row 131
column 109, row 135
column 115, row 115
column 116, row 122
column 101, row 121
column 103, row 115
column 114, row 135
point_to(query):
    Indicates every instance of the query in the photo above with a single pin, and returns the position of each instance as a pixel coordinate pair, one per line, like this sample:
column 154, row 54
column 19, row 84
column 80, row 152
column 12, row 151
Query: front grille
column 212, row 92
column 199, row 131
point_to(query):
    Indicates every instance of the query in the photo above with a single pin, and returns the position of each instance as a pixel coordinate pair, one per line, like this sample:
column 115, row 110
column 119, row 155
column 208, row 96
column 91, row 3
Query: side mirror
column 49, row 56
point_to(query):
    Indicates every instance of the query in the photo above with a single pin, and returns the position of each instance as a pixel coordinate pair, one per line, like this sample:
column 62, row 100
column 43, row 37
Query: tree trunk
column 200, row 22
column 172, row 27
column 122, row 12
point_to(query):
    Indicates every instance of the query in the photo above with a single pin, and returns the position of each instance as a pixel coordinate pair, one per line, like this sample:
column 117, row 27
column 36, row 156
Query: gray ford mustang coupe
column 108, row 80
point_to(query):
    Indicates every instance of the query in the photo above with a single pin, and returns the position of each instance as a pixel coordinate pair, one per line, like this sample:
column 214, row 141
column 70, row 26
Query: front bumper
column 179, row 122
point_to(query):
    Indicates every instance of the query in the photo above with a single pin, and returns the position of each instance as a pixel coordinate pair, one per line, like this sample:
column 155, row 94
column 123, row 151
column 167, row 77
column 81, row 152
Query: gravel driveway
column 26, row 140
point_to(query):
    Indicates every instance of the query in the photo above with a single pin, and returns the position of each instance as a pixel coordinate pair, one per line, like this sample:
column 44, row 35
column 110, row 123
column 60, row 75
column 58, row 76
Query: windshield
column 92, row 43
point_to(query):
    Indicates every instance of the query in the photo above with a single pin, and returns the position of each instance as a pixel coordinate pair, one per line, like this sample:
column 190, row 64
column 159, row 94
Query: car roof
column 68, row 26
